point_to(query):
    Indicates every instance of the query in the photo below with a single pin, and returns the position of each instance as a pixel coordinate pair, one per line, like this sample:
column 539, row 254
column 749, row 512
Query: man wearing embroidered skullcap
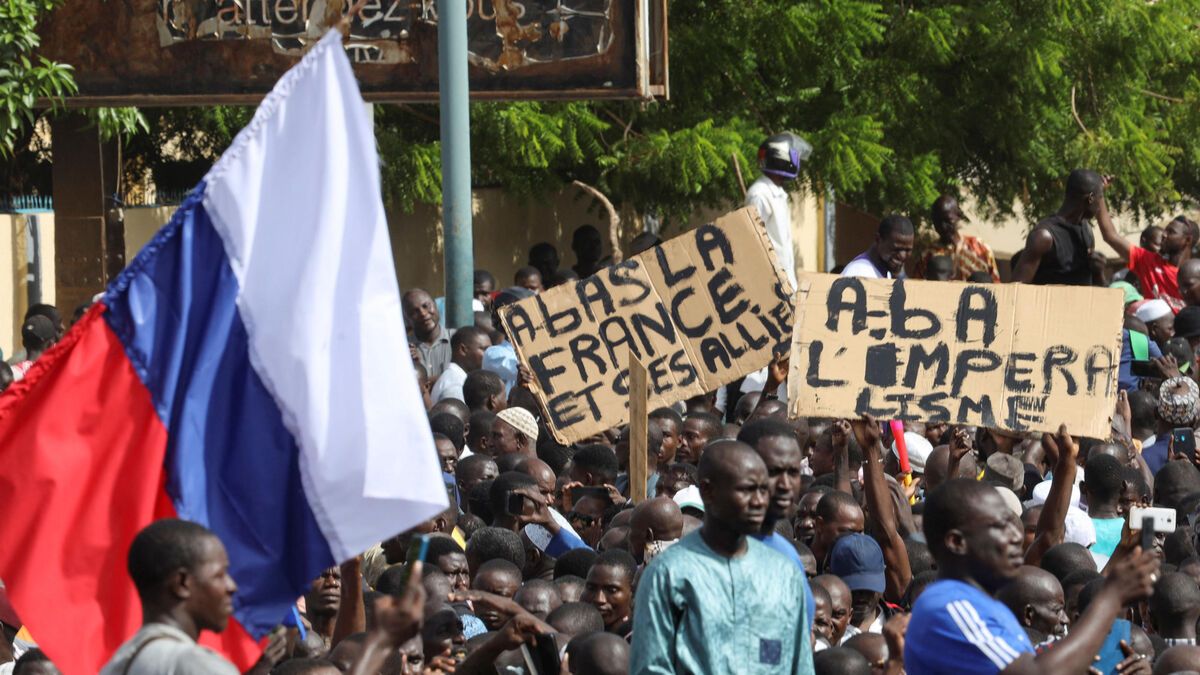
column 515, row 431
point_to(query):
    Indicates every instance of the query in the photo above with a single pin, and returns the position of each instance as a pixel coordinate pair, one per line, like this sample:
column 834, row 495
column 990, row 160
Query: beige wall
column 505, row 227
column 14, row 270
column 140, row 225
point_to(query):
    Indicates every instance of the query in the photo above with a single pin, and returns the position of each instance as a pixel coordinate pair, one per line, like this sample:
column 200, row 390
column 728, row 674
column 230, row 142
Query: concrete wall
column 15, row 271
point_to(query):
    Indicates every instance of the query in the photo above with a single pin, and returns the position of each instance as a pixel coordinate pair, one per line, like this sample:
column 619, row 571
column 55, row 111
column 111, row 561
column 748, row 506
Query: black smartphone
column 515, row 505
column 1184, row 439
column 1143, row 369
column 542, row 658
column 581, row 491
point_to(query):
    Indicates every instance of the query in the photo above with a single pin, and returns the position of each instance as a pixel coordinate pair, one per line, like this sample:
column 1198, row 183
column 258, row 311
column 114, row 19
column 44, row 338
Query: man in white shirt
column 467, row 346
column 887, row 256
column 779, row 159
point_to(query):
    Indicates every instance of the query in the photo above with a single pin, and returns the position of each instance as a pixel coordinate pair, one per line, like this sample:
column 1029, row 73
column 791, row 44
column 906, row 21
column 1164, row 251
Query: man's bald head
column 599, row 654
column 1035, row 597
column 872, row 646
column 1189, row 281
column 656, row 519
column 769, row 409
column 733, row 487
column 539, row 471
column 1084, row 182
column 661, row 515
column 726, row 460
column 841, row 661
column 1178, row 659
column 1067, row 557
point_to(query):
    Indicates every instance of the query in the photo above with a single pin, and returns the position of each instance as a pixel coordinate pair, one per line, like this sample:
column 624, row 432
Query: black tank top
column 1067, row 262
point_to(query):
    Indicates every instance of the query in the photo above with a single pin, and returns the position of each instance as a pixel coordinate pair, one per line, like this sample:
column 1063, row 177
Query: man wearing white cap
column 515, row 431
column 1159, row 320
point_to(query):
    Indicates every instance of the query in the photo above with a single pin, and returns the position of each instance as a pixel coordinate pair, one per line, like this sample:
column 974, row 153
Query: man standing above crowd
column 428, row 340
column 779, row 159
column 720, row 601
column 967, row 254
column 887, row 256
column 1058, row 249
column 1157, row 272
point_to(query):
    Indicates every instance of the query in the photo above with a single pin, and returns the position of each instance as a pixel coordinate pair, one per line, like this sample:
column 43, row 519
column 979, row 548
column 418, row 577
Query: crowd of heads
column 545, row 541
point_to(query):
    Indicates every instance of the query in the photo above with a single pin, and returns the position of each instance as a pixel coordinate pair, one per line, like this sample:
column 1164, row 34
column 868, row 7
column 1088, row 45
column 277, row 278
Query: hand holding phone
column 1151, row 521
column 417, row 548
column 581, row 491
column 542, row 657
column 1183, row 442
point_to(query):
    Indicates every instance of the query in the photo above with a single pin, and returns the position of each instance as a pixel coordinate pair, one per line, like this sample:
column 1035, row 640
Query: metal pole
column 454, row 96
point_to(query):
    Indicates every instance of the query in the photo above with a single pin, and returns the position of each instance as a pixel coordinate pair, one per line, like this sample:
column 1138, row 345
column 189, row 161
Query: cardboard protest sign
column 1012, row 356
column 699, row 311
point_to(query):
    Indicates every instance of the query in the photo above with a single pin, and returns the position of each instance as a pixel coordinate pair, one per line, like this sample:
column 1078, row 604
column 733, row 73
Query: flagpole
column 454, row 97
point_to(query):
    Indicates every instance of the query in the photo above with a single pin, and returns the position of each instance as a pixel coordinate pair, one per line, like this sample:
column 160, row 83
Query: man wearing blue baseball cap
column 858, row 560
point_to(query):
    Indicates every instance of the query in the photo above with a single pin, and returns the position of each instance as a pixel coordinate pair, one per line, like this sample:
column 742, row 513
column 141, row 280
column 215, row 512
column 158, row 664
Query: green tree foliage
column 901, row 101
column 32, row 86
column 25, row 78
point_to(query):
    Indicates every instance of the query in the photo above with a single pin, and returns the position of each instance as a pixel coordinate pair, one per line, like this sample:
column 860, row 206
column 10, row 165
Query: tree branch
column 614, row 220
column 1075, row 112
column 1161, row 97
column 737, row 166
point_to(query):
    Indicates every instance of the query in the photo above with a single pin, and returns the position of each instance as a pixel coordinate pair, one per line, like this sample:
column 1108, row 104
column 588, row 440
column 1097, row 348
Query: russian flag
column 248, row 371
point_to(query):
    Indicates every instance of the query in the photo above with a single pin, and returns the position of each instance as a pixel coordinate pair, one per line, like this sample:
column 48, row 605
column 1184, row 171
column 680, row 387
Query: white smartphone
column 1151, row 521
column 1163, row 519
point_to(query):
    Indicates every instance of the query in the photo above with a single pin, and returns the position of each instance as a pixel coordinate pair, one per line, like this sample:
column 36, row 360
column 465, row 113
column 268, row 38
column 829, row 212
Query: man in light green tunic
column 719, row 601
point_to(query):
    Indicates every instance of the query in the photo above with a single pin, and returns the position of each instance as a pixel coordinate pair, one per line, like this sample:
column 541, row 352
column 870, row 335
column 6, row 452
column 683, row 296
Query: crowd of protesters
column 765, row 544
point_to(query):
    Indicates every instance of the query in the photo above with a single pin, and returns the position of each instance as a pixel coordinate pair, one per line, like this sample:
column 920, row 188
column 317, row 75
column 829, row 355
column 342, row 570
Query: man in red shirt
column 1157, row 272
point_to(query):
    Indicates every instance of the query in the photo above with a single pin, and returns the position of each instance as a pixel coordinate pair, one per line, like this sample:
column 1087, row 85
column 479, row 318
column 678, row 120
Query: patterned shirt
column 969, row 256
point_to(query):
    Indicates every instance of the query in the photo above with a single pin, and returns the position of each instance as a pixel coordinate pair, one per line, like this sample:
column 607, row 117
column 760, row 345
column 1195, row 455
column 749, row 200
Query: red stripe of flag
column 81, row 472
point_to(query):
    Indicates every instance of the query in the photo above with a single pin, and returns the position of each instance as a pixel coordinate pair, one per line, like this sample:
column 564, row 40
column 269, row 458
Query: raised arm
column 352, row 613
column 960, row 446
column 1051, row 527
column 1037, row 245
column 1109, row 232
column 397, row 619
column 840, row 440
column 776, row 375
column 879, row 503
